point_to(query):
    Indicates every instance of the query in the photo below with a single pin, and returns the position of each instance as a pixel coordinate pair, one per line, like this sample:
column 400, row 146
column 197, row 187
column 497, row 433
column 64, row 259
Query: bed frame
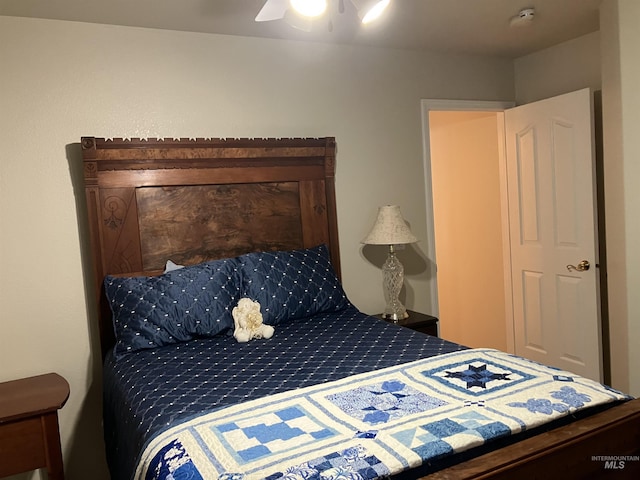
column 190, row 200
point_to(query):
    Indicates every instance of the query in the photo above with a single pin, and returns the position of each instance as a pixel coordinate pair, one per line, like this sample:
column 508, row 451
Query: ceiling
column 479, row 27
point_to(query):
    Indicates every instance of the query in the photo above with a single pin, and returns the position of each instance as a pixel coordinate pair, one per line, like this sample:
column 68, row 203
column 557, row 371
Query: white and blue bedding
column 150, row 390
column 180, row 394
column 373, row 424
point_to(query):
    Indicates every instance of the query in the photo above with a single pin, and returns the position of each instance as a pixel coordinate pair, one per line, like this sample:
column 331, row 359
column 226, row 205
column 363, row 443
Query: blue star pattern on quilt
column 380, row 403
column 478, row 376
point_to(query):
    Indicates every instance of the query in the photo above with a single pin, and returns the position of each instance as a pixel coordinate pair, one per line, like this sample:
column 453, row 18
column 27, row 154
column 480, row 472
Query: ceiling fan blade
column 272, row 10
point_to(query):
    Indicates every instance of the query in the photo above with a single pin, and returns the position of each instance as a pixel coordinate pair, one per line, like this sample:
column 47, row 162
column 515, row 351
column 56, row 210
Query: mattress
column 148, row 391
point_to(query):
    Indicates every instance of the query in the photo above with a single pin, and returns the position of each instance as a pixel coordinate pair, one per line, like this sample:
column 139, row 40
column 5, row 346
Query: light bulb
column 375, row 11
column 309, row 8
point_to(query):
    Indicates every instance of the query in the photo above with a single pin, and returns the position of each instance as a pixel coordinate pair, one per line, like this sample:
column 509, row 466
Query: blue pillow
column 292, row 284
column 194, row 301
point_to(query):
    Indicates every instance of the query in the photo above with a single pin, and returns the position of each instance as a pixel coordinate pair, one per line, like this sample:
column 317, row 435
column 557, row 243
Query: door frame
column 429, row 105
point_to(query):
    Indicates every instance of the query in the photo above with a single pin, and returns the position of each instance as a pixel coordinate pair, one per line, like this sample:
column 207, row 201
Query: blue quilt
column 148, row 391
column 372, row 425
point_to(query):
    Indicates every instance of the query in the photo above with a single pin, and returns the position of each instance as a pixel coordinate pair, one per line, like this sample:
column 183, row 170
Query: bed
column 181, row 229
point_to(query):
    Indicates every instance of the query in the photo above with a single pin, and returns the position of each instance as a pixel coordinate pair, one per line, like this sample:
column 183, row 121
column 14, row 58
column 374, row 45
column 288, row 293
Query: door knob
column 583, row 266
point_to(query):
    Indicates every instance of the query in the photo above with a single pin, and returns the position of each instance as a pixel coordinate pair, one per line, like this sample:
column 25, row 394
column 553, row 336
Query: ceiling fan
column 301, row 13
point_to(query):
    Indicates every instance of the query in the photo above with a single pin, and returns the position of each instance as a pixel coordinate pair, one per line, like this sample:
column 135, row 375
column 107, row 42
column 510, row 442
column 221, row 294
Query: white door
column 550, row 170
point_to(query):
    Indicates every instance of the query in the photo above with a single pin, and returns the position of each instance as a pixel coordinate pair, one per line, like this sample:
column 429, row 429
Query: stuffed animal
column 248, row 321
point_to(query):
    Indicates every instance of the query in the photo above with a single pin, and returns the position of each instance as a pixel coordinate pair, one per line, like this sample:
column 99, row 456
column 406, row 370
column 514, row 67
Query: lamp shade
column 390, row 228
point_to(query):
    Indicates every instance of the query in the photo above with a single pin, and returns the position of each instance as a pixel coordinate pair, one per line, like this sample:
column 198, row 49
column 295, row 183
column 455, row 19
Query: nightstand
column 29, row 432
column 420, row 322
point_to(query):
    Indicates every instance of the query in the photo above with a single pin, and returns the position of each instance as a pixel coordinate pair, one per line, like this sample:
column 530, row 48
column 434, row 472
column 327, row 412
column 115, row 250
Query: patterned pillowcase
column 177, row 306
column 292, row 284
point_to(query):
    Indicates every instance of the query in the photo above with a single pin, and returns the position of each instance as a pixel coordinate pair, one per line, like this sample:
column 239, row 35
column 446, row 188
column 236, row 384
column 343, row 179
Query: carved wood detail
column 190, row 200
column 120, row 232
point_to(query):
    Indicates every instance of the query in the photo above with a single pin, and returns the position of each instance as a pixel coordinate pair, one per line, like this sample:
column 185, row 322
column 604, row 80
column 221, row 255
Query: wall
column 563, row 68
column 62, row 80
column 468, row 228
column 629, row 36
column 621, row 123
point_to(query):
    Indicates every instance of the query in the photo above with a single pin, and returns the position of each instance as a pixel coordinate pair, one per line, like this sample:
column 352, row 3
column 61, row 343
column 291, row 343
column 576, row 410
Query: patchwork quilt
column 374, row 424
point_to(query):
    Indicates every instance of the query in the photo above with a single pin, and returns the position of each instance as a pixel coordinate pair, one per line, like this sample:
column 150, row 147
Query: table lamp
column 391, row 229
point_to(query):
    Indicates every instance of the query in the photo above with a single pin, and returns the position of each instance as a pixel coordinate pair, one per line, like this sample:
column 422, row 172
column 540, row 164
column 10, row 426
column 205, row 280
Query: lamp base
column 395, row 317
column 393, row 276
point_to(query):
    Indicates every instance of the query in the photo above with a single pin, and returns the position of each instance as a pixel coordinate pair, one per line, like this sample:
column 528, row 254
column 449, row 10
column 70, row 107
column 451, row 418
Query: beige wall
column 564, row 68
column 468, row 228
column 621, row 124
column 62, row 80
column 630, row 80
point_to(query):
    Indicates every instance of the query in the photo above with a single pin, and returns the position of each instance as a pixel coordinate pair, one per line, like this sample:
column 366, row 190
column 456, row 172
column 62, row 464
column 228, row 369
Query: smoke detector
column 523, row 18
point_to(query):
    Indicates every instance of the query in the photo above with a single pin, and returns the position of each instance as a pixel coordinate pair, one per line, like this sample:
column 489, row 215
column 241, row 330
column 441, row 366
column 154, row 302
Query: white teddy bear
column 248, row 321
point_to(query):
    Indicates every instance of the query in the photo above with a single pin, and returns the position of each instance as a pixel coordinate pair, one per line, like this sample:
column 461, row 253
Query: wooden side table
column 29, row 431
column 420, row 322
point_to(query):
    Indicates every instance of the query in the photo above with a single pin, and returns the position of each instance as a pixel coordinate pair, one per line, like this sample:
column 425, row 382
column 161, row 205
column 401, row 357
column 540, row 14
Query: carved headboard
column 192, row 200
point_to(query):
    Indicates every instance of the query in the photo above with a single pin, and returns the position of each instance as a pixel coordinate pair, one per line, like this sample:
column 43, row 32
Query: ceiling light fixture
column 309, row 8
column 298, row 21
column 370, row 10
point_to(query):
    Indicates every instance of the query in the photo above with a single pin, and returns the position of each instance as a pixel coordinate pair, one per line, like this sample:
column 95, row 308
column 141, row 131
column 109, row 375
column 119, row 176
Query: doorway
column 464, row 142
column 550, row 194
column 468, row 227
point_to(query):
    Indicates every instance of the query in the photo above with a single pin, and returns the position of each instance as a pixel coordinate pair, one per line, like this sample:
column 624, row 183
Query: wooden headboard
column 192, row 200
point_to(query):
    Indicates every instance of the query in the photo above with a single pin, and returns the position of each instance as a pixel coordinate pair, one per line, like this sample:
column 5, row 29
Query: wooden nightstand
column 420, row 322
column 29, row 432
